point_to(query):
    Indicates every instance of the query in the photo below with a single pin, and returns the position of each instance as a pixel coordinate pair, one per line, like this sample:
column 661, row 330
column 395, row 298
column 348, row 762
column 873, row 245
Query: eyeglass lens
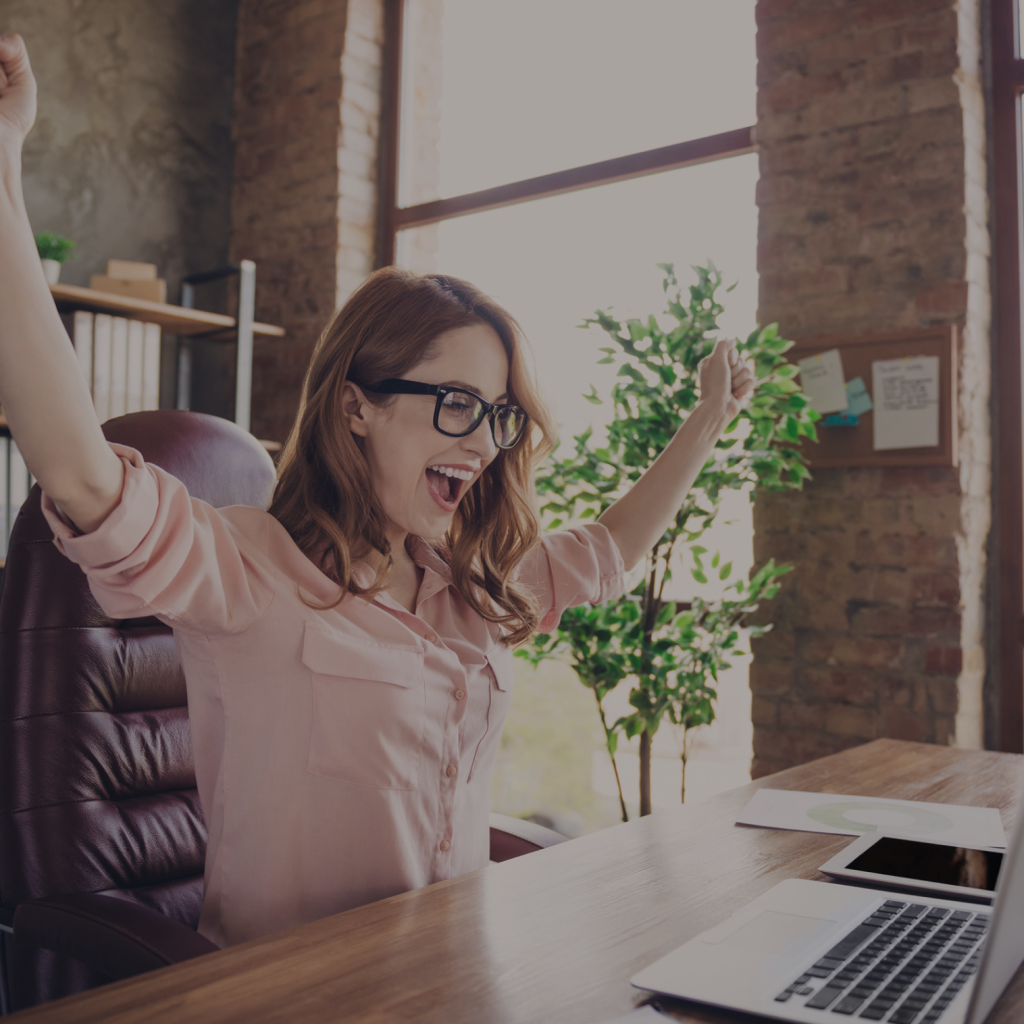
column 460, row 413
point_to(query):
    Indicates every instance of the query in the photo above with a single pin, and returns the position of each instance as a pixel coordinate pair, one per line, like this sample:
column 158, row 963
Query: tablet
column 912, row 865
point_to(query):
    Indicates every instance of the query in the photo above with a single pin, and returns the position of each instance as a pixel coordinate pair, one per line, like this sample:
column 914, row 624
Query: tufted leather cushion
column 97, row 790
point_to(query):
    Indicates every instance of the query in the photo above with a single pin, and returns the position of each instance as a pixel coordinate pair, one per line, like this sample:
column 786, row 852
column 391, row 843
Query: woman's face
column 420, row 474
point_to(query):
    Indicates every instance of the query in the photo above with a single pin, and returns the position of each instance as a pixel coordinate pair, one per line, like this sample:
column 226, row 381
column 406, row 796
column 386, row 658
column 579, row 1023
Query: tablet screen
column 930, row 862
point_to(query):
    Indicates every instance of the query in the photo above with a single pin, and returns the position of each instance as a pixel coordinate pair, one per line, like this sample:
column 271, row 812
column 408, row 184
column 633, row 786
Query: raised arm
column 43, row 393
column 644, row 513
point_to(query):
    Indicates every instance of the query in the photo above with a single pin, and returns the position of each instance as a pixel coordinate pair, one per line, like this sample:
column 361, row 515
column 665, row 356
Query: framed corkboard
column 854, row 446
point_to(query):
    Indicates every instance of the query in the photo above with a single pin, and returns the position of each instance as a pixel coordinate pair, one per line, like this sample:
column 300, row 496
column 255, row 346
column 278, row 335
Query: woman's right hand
column 17, row 92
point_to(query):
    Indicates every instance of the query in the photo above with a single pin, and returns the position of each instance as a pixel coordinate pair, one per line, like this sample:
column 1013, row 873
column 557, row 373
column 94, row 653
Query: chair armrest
column 117, row 937
column 512, row 837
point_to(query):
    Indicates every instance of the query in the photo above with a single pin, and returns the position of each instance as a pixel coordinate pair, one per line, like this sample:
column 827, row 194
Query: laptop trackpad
column 776, row 933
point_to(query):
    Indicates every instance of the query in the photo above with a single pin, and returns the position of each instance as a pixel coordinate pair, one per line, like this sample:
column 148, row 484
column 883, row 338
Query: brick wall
column 303, row 204
column 357, row 151
column 873, row 214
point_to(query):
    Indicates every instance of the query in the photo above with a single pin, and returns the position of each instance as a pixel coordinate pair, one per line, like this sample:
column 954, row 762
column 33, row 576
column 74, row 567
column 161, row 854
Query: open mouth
column 446, row 487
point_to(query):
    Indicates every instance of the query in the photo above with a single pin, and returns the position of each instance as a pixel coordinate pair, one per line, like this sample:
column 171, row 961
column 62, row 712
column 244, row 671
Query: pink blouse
column 342, row 755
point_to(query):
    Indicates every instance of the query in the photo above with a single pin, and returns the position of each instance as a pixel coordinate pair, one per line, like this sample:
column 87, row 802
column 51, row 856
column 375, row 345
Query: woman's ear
column 355, row 408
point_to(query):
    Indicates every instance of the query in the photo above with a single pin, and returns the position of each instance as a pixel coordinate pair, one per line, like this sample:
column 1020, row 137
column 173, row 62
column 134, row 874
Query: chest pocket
column 501, row 669
column 369, row 710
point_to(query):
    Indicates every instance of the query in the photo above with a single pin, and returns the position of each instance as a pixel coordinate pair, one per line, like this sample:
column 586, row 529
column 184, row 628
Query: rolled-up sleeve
column 571, row 567
column 160, row 552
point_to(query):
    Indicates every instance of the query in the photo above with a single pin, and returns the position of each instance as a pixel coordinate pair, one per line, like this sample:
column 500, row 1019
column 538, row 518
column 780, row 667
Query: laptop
column 828, row 952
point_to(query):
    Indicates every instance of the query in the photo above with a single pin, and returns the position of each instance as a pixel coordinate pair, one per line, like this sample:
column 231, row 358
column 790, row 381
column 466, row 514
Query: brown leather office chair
column 97, row 790
column 101, row 833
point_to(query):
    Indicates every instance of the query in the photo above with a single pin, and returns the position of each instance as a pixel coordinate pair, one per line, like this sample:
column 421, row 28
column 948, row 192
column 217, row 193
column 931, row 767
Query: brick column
column 303, row 205
column 873, row 214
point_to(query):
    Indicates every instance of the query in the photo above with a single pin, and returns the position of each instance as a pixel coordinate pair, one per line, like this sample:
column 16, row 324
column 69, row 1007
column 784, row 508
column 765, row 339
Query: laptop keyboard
column 903, row 964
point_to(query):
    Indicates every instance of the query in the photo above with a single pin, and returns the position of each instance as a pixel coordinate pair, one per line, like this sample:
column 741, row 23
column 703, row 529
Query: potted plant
column 672, row 651
column 53, row 250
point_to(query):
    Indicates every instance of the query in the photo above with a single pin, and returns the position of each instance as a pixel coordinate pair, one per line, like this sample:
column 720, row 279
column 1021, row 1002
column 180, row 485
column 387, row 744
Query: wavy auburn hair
column 325, row 497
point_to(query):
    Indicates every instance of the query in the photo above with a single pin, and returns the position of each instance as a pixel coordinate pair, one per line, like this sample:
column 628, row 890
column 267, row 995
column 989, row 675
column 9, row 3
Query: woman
column 348, row 652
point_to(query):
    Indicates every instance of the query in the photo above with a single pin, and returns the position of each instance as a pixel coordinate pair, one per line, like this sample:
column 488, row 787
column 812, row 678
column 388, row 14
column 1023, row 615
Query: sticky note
column 840, row 419
column 821, row 378
column 859, row 401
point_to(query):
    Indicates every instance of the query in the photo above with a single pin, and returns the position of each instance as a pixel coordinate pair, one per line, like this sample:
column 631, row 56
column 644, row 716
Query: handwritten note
column 906, row 395
column 821, row 378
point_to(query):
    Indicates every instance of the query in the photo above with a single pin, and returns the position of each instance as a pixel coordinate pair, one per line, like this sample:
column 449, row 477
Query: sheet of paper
column 645, row 1015
column 854, row 815
column 858, row 398
column 906, row 395
column 821, row 378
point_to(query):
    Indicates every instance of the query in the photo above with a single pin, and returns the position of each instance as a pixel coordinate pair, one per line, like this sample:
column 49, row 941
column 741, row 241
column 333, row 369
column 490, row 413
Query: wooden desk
column 553, row 936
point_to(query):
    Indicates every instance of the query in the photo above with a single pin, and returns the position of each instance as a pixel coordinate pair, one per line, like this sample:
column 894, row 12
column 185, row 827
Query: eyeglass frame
column 400, row 386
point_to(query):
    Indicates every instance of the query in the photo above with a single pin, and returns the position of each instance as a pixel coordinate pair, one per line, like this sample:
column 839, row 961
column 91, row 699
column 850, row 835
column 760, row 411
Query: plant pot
column 51, row 271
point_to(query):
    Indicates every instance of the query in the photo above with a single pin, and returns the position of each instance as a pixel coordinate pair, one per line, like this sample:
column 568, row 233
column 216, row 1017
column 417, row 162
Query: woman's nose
column 481, row 441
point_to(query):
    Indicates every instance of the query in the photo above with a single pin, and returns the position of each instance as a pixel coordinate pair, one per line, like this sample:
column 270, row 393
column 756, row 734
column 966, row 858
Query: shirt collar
column 436, row 573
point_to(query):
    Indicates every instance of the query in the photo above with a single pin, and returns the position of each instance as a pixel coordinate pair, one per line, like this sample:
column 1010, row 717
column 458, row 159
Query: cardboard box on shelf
column 127, row 270
column 133, row 280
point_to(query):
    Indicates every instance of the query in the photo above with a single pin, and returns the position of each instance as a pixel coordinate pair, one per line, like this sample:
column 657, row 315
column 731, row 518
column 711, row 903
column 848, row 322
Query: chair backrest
column 97, row 789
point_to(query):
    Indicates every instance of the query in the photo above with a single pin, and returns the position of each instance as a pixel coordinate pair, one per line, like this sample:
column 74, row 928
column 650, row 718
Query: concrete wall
column 131, row 152
column 873, row 215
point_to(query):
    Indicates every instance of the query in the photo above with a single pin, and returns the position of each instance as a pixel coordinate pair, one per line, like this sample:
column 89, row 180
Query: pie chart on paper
column 879, row 817
column 852, row 815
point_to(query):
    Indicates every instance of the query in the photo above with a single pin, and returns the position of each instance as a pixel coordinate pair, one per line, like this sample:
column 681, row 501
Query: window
column 553, row 158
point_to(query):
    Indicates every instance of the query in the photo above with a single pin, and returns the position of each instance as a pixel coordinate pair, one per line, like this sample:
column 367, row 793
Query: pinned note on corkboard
column 847, row 446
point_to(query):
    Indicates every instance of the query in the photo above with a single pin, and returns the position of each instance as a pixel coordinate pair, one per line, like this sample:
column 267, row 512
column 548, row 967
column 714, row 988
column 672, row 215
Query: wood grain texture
column 553, row 936
column 174, row 319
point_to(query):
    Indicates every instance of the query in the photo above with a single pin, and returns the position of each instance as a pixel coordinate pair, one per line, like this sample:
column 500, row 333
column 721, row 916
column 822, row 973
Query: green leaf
column 698, row 576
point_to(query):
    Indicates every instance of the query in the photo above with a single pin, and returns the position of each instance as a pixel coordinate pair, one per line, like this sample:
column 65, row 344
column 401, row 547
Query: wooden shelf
column 173, row 319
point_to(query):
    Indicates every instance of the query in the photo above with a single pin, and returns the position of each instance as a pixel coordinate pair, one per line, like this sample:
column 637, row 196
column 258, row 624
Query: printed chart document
column 821, row 378
column 854, row 815
column 906, row 394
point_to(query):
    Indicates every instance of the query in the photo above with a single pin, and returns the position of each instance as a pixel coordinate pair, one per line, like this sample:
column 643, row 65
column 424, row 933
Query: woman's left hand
column 644, row 513
column 725, row 380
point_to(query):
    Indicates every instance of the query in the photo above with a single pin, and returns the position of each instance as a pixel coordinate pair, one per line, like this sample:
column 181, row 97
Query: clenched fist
column 17, row 93
column 725, row 380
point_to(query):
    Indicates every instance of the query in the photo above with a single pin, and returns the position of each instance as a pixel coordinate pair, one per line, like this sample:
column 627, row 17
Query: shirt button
column 452, row 770
column 445, row 845
column 431, row 638
column 460, row 694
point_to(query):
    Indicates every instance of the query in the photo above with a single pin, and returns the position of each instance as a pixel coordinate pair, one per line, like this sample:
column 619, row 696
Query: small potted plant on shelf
column 53, row 250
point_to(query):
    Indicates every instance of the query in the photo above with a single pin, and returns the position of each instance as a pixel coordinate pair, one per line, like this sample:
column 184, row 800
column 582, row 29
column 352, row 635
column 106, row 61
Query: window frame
column 394, row 218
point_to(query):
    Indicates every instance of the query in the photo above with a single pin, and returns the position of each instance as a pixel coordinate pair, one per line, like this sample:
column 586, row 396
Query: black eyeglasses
column 459, row 412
